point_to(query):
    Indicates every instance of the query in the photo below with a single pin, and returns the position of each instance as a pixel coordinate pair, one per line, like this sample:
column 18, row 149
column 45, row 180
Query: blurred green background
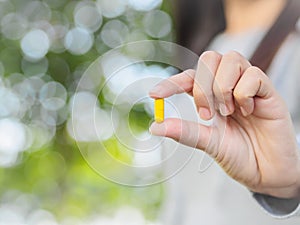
column 45, row 48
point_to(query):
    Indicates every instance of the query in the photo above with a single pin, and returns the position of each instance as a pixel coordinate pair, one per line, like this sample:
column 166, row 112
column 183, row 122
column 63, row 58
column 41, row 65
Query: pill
column 159, row 109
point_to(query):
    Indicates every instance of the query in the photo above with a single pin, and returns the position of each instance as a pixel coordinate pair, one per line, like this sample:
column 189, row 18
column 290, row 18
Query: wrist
column 292, row 190
column 297, row 184
column 285, row 185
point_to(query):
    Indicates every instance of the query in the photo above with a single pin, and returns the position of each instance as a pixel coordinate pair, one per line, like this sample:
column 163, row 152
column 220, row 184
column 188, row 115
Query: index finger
column 180, row 83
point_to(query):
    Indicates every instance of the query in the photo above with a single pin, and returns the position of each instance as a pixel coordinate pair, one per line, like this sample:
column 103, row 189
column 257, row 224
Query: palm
column 245, row 150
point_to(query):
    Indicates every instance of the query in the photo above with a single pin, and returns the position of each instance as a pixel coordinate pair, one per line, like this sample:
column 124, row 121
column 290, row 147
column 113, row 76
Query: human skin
column 244, row 15
column 252, row 139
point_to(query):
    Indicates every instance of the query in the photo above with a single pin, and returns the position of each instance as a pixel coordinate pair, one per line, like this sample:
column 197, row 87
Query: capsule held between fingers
column 159, row 106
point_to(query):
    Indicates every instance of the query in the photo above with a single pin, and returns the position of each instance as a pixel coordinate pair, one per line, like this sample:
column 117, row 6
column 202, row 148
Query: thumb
column 185, row 132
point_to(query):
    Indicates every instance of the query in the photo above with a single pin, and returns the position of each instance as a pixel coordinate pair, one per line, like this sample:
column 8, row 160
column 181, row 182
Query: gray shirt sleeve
column 277, row 207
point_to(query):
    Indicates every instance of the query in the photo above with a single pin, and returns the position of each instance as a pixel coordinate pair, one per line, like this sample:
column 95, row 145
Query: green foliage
column 66, row 186
column 56, row 173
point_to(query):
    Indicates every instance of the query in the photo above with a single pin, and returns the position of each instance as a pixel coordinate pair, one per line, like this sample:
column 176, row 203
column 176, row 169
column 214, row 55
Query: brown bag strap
column 272, row 41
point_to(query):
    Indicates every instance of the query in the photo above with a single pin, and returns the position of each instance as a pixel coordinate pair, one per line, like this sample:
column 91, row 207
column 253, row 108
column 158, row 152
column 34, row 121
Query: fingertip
column 225, row 110
column 205, row 113
column 156, row 92
column 247, row 110
column 243, row 111
column 158, row 129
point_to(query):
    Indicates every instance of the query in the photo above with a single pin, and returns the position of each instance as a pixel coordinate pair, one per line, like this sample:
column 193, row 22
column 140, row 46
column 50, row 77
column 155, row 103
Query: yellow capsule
column 159, row 110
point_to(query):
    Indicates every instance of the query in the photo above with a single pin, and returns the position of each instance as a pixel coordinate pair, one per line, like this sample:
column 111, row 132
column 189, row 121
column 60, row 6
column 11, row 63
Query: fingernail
column 204, row 113
column 156, row 90
column 243, row 111
column 157, row 129
column 224, row 109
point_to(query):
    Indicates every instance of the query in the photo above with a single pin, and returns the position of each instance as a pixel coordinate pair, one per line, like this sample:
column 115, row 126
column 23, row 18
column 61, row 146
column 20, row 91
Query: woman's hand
column 252, row 137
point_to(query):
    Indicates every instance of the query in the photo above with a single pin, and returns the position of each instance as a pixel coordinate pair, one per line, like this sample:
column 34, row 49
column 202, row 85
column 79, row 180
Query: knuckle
column 207, row 56
column 221, row 90
column 239, row 95
column 189, row 72
column 233, row 56
column 254, row 74
column 226, row 93
column 254, row 71
column 197, row 92
column 200, row 95
column 201, row 98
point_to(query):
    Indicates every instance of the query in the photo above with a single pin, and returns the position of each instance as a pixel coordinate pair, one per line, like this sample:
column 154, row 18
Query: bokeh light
column 53, row 96
column 114, row 33
column 9, row 103
column 145, row 5
column 112, row 8
column 78, row 41
column 35, row 44
column 12, row 136
column 6, row 7
column 46, row 47
column 87, row 16
column 157, row 24
column 60, row 26
column 36, row 11
column 13, row 26
column 89, row 122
